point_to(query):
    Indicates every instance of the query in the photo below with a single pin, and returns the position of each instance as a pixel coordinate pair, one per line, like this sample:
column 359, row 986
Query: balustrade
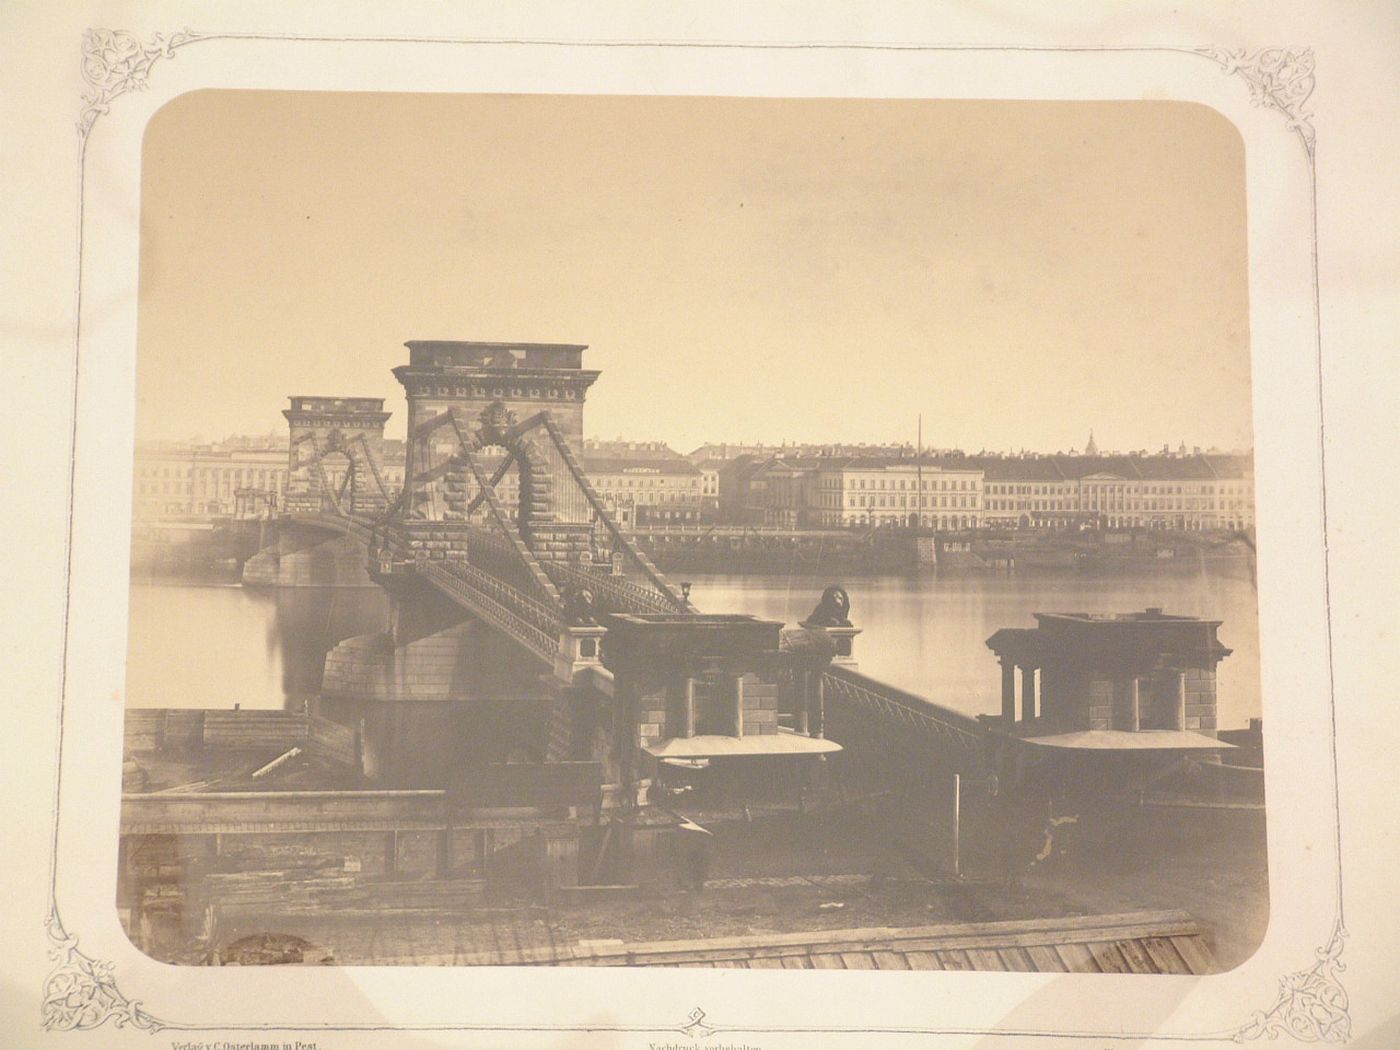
column 895, row 705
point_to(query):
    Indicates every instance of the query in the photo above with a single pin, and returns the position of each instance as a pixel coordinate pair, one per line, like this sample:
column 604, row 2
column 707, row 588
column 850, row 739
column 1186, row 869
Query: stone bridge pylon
column 335, row 456
column 335, row 469
column 479, row 489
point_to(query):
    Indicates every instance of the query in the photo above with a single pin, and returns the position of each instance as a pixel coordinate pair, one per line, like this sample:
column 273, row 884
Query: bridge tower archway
column 490, row 393
column 336, row 456
column 495, row 494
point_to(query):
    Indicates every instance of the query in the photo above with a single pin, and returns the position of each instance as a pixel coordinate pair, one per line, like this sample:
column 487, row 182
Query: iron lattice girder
column 890, row 710
column 505, row 615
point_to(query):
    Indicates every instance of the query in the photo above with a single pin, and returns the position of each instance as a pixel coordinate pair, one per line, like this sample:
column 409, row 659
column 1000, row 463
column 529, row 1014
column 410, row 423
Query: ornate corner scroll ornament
column 1312, row 1005
column 80, row 993
column 695, row 1025
column 115, row 62
column 1280, row 78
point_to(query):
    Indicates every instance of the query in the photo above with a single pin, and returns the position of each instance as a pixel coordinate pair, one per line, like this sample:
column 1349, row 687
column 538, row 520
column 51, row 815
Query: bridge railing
column 531, row 623
column 613, row 593
column 905, row 712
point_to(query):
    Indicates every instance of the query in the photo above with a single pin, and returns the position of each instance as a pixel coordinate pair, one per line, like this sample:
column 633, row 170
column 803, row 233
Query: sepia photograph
column 712, row 531
column 782, row 526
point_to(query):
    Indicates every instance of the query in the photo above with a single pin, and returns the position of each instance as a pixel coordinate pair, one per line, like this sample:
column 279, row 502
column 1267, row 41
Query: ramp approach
column 497, row 522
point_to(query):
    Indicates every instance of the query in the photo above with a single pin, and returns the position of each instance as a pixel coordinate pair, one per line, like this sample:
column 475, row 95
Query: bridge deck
column 535, row 623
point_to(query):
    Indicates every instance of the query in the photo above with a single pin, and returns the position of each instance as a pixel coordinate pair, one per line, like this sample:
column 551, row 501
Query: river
column 214, row 646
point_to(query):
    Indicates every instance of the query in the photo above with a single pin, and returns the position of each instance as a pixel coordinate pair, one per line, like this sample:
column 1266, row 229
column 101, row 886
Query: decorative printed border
column 80, row 992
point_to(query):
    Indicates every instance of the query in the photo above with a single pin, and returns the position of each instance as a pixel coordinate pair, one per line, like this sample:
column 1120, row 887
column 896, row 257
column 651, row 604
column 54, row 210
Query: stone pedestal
column 579, row 648
column 842, row 640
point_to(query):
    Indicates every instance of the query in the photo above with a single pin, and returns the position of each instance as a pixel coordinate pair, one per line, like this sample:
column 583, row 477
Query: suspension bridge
column 498, row 518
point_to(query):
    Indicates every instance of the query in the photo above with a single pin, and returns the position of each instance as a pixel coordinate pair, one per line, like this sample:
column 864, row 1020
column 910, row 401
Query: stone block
column 1193, row 723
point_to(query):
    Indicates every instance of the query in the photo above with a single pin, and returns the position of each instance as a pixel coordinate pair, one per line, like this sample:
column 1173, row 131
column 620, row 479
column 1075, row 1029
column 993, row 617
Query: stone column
column 1179, row 719
column 1134, row 704
column 689, row 730
column 1008, row 693
column 1027, row 693
column 739, row 705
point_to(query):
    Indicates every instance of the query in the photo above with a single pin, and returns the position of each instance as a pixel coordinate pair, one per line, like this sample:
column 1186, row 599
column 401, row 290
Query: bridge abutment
column 372, row 667
column 426, row 653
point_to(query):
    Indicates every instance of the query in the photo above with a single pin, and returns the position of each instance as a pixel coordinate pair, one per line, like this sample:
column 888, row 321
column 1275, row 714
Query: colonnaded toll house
column 1093, row 685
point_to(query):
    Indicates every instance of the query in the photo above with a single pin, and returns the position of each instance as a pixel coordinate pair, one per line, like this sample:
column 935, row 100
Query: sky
column 801, row 270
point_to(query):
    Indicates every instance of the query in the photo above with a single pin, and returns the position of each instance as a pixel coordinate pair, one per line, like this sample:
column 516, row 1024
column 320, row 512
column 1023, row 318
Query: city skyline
column 710, row 252
column 278, row 436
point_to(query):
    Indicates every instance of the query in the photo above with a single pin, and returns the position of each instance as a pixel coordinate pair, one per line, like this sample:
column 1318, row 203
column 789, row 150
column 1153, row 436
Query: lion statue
column 834, row 610
column 578, row 607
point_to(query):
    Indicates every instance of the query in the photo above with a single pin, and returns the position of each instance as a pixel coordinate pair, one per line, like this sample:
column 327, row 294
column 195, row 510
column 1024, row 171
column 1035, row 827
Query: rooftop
column 452, row 353
column 323, row 402
column 783, row 742
column 1150, row 615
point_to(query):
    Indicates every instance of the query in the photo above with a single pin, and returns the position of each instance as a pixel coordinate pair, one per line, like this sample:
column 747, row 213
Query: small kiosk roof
column 1122, row 740
column 710, row 746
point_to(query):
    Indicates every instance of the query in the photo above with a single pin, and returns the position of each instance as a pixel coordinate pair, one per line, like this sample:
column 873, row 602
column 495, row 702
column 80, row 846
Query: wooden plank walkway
column 1136, row 943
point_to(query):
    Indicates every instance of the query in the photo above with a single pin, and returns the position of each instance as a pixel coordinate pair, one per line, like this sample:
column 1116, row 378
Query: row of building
column 240, row 477
column 1197, row 491
column 648, row 485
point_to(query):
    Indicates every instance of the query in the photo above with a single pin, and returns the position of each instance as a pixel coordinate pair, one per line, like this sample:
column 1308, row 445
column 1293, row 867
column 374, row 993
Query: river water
column 214, row 646
column 927, row 634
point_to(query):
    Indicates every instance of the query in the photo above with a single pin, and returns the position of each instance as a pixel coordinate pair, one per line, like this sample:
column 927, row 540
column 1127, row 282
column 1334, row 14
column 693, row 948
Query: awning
column 1122, row 740
column 780, row 743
